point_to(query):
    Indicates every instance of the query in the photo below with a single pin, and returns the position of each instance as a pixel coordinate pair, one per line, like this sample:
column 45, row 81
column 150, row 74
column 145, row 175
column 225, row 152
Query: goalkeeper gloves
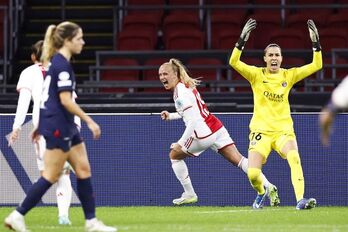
column 314, row 35
column 244, row 36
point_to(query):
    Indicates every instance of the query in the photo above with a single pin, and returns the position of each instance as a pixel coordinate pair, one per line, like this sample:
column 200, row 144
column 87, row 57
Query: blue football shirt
column 55, row 120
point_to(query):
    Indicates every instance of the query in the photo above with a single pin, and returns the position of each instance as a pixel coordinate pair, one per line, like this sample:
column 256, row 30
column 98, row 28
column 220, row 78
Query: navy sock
column 86, row 196
column 34, row 195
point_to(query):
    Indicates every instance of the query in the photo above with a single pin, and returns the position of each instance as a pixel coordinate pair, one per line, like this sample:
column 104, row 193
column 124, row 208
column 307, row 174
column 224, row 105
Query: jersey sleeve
column 25, row 80
column 22, row 108
column 183, row 102
column 307, row 70
column 247, row 71
column 65, row 80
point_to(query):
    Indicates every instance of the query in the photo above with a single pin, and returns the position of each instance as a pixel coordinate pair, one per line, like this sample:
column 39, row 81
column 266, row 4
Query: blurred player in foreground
column 30, row 87
column 271, row 127
column 203, row 131
column 338, row 101
column 56, row 124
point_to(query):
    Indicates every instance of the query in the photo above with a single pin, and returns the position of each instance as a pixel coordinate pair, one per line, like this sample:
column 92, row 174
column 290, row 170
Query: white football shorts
column 215, row 141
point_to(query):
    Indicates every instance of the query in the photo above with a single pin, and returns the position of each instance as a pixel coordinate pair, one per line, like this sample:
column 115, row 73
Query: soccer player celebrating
column 339, row 100
column 30, row 87
column 203, row 131
column 56, row 124
column 271, row 127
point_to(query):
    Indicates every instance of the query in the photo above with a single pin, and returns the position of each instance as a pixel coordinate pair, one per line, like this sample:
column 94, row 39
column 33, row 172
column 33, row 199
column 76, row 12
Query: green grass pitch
column 195, row 219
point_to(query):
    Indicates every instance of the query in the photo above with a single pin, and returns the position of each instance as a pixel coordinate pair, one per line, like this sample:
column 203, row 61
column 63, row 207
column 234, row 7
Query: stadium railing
column 13, row 17
column 311, row 85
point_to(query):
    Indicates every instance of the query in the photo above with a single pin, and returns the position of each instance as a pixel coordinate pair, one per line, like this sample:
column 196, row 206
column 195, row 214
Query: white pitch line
column 234, row 211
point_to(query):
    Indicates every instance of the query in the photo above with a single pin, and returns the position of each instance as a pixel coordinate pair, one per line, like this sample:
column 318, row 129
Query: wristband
column 316, row 46
column 240, row 44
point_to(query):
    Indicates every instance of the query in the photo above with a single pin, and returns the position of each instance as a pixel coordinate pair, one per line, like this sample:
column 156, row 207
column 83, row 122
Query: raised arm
column 235, row 61
column 317, row 62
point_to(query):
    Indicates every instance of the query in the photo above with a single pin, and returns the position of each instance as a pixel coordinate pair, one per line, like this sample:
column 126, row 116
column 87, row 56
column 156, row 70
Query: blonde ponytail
column 48, row 48
column 181, row 71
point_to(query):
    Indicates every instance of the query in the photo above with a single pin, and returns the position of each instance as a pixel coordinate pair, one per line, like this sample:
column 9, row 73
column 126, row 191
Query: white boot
column 185, row 199
column 94, row 225
column 15, row 221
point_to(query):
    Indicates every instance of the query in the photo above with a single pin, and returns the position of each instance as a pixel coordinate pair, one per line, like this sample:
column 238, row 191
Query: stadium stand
column 145, row 7
column 139, row 39
column 287, row 38
column 332, row 38
column 180, row 21
column 143, row 28
column 184, row 40
column 183, row 7
column 265, row 24
column 122, row 74
column 226, row 7
column 140, row 22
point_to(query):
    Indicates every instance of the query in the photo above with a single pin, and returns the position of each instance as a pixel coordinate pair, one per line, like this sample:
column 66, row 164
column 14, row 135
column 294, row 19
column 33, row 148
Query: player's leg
column 254, row 176
column 289, row 150
column 259, row 149
column 193, row 147
column 79, row 162
column 54, row 160
column 180, row 170
column 64, row 194
column 226, row 147
column 232, row 154
column 63, row 190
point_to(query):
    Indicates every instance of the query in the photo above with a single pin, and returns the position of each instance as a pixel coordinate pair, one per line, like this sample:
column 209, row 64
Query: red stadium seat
column 226, row 39
column 274, row 11
column 157, row 12
column 225, row 22
column 206, row 74
column 299, row 21
column 140, row 22
column 152, row 74
column 287, row 38
column 291, row 62
column 332, row 38
column 226, row 10
column 4, row 2
column 179, row 10
column 265, row 25
column 203, row 74
column 136, row 40
column 119, row 75
column 185, row 40
column 338, row 21
column 313, row 10
column 180, row 21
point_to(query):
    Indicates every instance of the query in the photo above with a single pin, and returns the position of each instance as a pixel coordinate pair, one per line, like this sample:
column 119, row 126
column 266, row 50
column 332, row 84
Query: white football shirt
column 194, row 112
column 31, row 79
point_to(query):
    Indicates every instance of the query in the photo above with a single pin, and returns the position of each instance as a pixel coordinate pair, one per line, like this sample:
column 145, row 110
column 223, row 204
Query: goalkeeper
column 271, row 127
